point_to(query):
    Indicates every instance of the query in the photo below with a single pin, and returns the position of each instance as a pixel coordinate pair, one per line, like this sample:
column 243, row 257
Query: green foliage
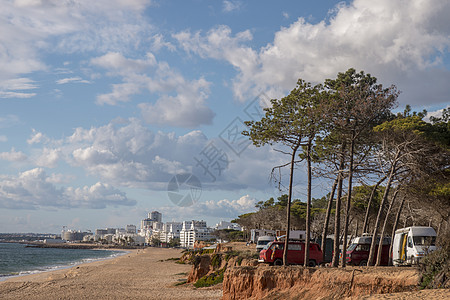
column 216, row 260
column 211, row 279
column 175, row 242
column 206, row 251
column 361, row 195
column 231, row 254
column 435, row 267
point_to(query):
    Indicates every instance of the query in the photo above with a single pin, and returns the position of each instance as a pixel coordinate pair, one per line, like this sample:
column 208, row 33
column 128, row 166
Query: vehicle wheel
column 312, row 263
column 363, row 263
column 278, row 262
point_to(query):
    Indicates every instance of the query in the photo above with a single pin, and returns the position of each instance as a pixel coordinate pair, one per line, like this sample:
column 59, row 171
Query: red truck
column 272, row 253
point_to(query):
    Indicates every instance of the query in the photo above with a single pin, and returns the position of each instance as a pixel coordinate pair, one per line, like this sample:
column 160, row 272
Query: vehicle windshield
column 263, row 242
column 352, row 247
column 267, row 246
column 424, row 240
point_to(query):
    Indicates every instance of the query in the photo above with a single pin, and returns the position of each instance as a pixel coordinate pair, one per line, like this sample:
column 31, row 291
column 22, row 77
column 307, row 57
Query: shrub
column 216, row 259
column 435, row 267
column 211, row 279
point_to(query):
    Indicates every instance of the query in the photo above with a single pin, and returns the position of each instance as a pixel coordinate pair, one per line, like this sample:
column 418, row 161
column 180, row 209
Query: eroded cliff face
column 206, row 264
column 295, row 282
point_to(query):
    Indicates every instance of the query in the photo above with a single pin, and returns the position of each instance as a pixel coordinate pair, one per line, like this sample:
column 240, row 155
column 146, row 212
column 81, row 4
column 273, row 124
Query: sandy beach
column 140, row 274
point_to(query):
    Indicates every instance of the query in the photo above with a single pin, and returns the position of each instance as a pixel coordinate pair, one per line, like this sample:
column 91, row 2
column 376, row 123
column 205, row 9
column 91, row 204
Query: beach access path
column 139, row 274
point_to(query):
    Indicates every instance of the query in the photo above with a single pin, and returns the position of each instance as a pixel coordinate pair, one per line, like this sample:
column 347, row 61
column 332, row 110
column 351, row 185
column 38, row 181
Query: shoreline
column 52, row 268
column 139, row 274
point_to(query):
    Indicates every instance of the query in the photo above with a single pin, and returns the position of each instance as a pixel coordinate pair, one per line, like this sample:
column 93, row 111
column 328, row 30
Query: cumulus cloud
column 129, row 154
column 48, row 158
column 186, row 109
column 34, row 189
column 13, row 155
column 125, row 153
column 400, row 42
column 37, row 137
column 182, row 102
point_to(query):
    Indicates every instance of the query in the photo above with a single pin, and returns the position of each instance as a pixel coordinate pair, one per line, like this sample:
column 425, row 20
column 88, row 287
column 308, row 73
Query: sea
column 17, row 259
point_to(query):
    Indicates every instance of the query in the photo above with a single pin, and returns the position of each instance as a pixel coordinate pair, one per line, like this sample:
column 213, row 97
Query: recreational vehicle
column 411, row 244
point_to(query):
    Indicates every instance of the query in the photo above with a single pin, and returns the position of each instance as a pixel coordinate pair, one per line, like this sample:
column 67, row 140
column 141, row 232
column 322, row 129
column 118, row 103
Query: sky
column 110, row 109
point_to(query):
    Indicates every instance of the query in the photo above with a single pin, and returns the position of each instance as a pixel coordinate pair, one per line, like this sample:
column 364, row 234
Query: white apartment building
column 170, row 231
column 194, row 231
column 227, row 225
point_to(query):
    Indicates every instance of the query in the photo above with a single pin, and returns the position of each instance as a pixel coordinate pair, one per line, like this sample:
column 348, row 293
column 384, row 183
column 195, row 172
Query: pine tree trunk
column 288, row 206
column 327, row 217
column 380, row 245
column 380, row 211
column 337, row 216
column 308, row 206
column 397, row 218
column 349, row 198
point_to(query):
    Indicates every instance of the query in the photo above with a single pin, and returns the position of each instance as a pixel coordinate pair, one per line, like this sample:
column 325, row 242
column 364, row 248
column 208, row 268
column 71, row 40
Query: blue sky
column 104, row 102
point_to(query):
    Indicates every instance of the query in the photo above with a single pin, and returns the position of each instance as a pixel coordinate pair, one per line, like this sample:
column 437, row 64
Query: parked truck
column 411, row 244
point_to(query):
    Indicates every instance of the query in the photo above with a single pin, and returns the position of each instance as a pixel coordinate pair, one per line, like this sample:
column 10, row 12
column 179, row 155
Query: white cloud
column 34, row 189
column 3, row 138
column 129, row 154
column 159, row 42
column 125, row 153
column 13, row 155
column 28, row 27
column 72, row 80
column 10, row 88
column 182, row 102
column 16, row 95
column 37, row 137
column 400, row 42
column 186, row 109
column 48, row 158
column 231, row 5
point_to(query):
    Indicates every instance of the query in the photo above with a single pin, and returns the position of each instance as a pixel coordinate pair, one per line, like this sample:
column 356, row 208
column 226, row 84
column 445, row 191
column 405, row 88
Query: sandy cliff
column 296, row 282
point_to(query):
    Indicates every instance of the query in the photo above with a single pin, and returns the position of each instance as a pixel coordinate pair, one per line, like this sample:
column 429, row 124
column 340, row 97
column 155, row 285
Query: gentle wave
column 58, row 265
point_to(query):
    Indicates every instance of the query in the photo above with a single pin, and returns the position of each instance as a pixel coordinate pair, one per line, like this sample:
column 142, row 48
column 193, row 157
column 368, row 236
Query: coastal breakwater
column 296, row 282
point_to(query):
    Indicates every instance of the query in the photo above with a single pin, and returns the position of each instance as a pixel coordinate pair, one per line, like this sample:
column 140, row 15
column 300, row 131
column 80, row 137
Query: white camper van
column 263, row 241
column 412, row 243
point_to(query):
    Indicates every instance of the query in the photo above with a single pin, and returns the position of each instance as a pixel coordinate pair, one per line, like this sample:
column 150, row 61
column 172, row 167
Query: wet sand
column 140, row 274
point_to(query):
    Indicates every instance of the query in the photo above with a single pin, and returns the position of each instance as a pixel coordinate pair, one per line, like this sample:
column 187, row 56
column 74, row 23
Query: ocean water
column 17, row 259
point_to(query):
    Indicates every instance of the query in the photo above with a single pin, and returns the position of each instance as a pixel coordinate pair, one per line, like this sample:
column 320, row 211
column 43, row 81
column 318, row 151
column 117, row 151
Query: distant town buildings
column 152, row 230
column 73, row 235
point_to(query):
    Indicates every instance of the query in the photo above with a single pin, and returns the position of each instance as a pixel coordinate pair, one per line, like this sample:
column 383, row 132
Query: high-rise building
column 155, row 216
